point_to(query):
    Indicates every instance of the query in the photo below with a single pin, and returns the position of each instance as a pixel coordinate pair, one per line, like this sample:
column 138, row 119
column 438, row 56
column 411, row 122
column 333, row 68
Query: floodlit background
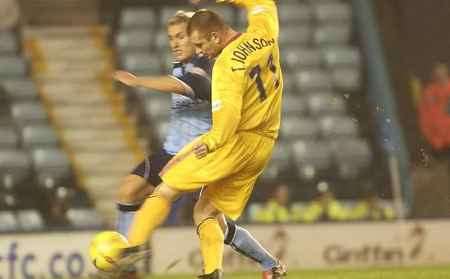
column 360, row 176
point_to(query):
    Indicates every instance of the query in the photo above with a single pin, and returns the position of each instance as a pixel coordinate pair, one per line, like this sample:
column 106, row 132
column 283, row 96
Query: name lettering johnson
column 244, row 49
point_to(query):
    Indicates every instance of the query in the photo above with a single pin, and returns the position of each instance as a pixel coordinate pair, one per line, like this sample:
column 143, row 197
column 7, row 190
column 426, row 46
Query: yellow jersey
column 246, row 80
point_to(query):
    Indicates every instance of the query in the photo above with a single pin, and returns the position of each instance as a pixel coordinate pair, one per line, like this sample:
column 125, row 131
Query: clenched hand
column 200, row 150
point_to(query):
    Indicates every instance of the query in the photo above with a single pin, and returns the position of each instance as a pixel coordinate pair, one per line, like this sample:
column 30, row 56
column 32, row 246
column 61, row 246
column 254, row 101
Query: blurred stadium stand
column 70, row 135
column 37, row 181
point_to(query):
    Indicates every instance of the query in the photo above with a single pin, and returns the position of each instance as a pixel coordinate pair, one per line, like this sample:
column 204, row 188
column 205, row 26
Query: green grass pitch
column 372, row 273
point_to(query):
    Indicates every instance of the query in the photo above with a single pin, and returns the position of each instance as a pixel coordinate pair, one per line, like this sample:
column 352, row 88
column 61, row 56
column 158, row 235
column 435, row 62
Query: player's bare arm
column 164, row 84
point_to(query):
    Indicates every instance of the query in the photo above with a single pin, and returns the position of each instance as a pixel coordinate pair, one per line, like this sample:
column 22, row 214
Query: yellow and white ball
column 106, row 250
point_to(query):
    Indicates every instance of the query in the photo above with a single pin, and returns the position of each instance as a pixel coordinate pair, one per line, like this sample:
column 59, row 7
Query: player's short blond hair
column 180, row 17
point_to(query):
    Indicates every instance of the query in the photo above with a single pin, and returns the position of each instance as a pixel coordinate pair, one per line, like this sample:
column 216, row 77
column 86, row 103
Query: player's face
column 180, row 45
column 206, row 44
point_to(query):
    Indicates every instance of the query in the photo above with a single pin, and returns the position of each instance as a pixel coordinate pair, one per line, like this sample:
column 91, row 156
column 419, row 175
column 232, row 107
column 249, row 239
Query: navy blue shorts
column 155, row 163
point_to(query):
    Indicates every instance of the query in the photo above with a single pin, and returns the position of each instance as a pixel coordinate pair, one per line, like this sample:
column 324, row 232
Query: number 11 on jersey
column 255, row 74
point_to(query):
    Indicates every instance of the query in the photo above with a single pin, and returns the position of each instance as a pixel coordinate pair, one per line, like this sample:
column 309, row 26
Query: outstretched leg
column 132, row 192
column 152, row 214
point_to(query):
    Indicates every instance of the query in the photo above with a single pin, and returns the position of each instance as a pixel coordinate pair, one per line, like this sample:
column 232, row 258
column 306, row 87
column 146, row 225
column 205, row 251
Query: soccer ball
column 106, row 250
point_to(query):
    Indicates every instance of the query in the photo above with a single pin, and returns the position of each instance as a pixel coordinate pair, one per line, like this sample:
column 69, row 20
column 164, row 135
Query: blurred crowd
column 324, row 207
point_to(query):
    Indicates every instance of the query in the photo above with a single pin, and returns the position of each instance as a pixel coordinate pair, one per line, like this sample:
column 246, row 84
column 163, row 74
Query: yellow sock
column 153, row 213
column 211, row 244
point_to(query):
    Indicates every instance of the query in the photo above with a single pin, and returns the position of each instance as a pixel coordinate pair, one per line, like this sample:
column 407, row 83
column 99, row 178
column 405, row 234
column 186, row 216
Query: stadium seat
column 80, row 200
column 227, row 12
column 9, row 139
column 134, row 40
column 51, row 166
column 8, row 221
column 15, row 168
column 342, row 57
column 5, row 118
column 82, row 218
column 293, row 128
column 289, row 84
column 12, row 67
column 294, row 105
column 294, row 13
column 142, row 63
column 29, row 113
column 320, row 103
column 279, row 163
column 3, row 95
column 162, row 41
column 8, row 43
column 332, row 34
column 338, row 127
column 36, row 136
column 328, row 13
column 346, row 79
column 351, row 156
column 295, row 35
column 8, row 199
column 169, row 11
column 313, row 158
column 5, row 111
column 20, row 90
column 298, row 58
column 313, row 80
column 29, row 220
column 137, row 17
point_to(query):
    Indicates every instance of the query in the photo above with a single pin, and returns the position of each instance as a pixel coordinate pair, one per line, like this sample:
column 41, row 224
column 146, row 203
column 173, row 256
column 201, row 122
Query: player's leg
column 132, row 192
column 152, row 214
column 211, row 236
column 243, row 242
column 230, row 195
column 157, row 206
column 211, row 226
column 237, row 237
column 137, row 186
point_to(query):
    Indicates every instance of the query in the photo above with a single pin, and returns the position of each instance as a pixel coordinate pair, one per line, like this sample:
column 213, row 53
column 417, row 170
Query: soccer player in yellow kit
column 227, row 160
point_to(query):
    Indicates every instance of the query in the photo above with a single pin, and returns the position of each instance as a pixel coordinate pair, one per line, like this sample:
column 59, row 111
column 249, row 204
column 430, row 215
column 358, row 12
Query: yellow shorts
column 228, row 174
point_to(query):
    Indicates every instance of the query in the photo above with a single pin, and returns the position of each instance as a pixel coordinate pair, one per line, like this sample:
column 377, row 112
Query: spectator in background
column 434, row 109
column 276, row 210
column 9, row 15
column 58, row 207
column 372, row 208
column 325, row 207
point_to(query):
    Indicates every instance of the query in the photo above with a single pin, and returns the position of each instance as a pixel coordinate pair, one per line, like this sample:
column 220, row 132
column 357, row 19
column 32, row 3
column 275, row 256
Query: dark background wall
column 416, row 34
